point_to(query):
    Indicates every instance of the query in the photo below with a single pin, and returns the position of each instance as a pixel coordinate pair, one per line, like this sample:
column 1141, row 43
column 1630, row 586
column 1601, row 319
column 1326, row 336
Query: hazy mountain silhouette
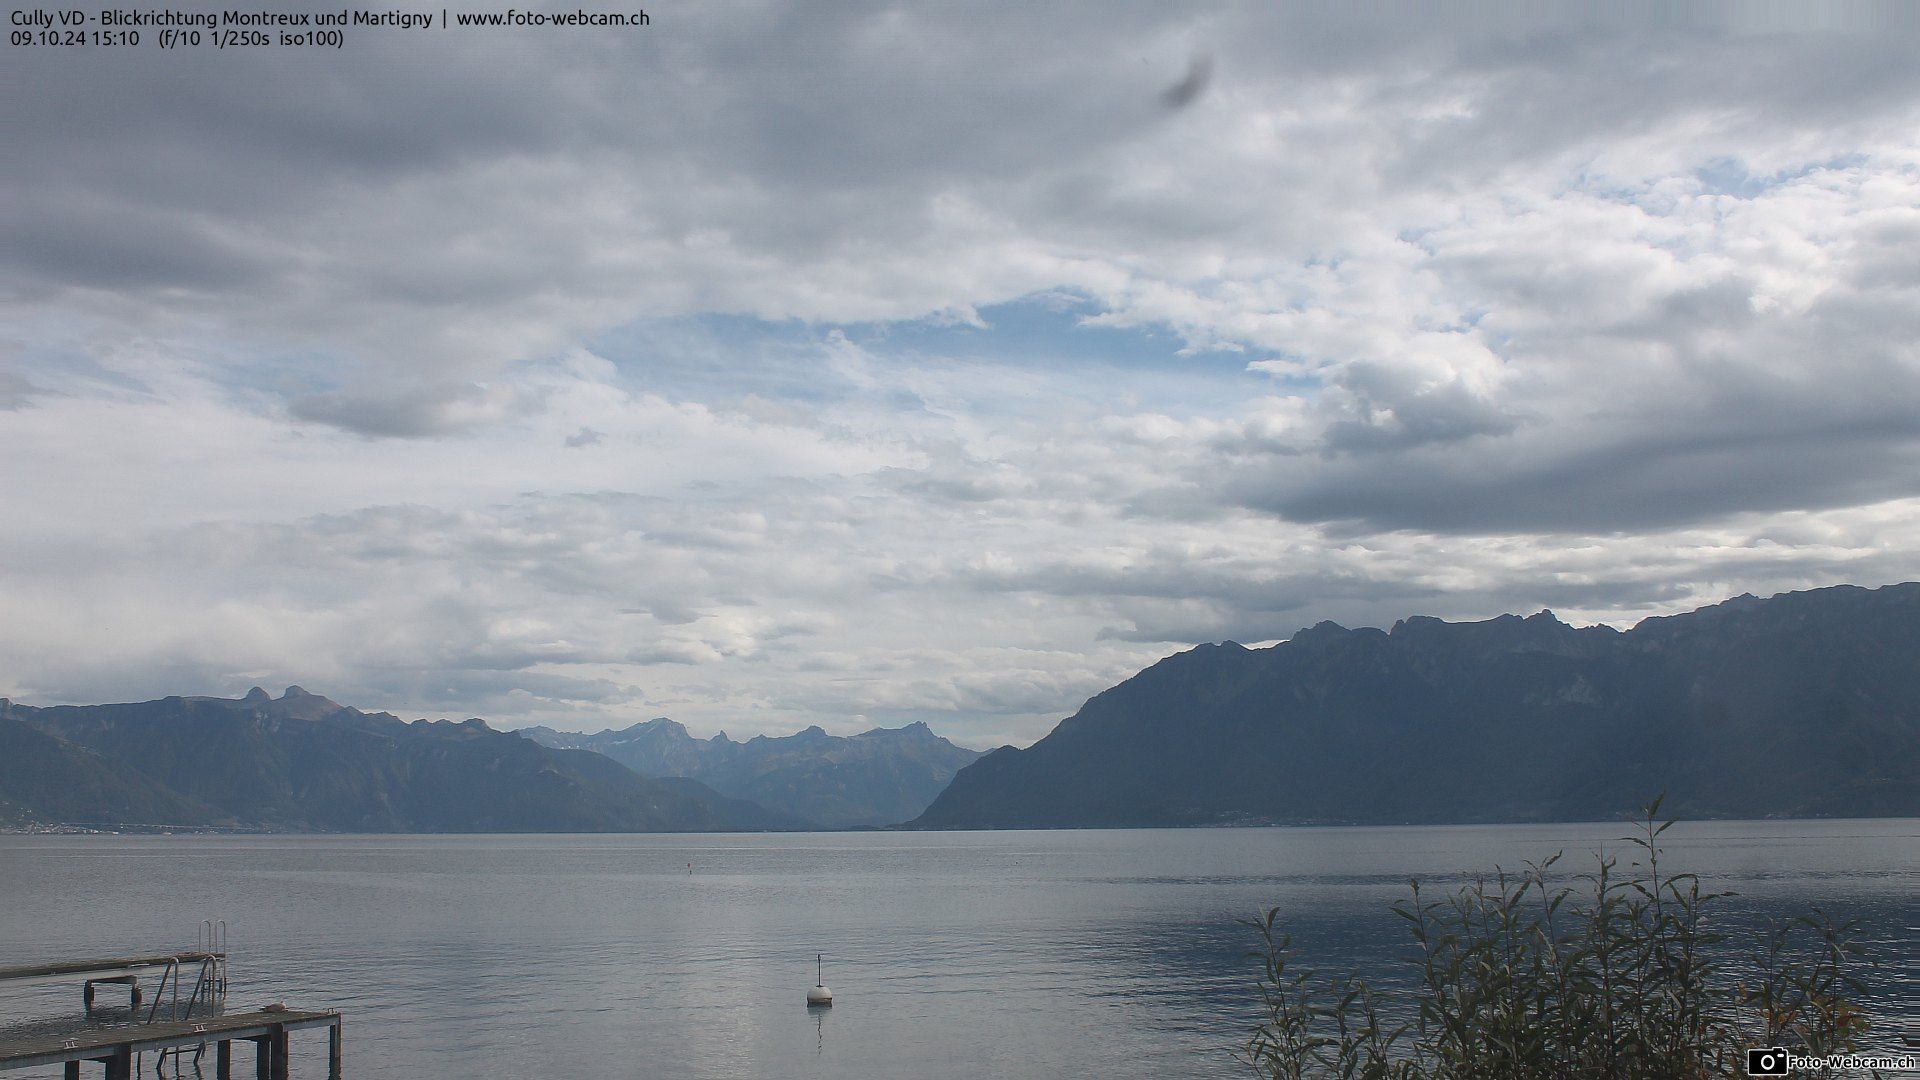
column 1805, row 704
column 878, row 777
column 301, row 761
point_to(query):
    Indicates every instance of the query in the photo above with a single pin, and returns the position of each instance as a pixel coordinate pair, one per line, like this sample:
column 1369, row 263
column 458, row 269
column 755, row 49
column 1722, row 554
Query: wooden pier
column 117, row 1047
column 202, row 1023
column 127, row 970
column 120, row 965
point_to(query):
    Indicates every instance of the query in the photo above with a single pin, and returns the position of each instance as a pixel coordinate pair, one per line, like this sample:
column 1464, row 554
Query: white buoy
column 819, row 996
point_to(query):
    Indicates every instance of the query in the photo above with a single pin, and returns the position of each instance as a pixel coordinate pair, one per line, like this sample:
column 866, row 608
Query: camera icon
column 1771, row 1061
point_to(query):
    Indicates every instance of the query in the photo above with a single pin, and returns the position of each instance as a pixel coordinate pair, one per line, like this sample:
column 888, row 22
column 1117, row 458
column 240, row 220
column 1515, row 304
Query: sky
column 855, row 364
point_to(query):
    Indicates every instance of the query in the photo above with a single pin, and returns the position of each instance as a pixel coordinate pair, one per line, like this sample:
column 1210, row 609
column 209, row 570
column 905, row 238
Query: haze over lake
column 1112, row 953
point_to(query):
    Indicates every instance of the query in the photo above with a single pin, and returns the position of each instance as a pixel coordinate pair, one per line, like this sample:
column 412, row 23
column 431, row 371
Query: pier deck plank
column 98, row 1043
column 101, row 965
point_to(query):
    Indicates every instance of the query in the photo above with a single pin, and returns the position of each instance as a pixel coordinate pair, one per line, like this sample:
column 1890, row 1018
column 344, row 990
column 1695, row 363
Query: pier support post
column 262, row 1061
column 279, row 1062
column 72, row 1071
column 120, row 1065
column 223, row 1060
column 336, row 1050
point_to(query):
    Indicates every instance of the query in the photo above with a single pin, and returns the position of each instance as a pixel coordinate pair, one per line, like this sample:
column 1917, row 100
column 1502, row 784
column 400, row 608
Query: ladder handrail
column 171, row 970
column 211, row 937
column 207, row 979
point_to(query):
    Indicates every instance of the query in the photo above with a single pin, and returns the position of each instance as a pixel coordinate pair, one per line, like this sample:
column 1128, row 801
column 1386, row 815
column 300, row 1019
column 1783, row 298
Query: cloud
column 414, row 412
column 15, row 390
column 780, row 365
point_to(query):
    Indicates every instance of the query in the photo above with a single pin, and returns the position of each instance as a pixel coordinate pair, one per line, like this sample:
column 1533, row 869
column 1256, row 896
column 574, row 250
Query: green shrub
column 1618, row 978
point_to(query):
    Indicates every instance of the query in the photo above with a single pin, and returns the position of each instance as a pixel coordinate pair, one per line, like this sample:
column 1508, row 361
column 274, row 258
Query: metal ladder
column 210, row 983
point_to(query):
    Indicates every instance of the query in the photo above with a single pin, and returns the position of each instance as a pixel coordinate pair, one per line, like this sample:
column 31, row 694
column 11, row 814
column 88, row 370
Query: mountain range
column 878, row 777
column 302, row 762
column 1804, row 704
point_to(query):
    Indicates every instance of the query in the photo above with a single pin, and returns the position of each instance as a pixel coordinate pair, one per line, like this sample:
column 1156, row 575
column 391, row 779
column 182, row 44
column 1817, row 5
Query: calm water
column 950, row 954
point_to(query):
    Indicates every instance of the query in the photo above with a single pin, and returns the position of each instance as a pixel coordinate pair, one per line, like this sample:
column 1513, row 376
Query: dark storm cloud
column 112, row 247
column 1633, row 472
column 1619, row 489
column 1688, row 407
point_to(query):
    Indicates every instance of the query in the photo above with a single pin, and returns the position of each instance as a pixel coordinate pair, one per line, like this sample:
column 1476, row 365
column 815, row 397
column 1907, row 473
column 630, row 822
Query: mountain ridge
column 881, row 776
column 302, row 762
column 1803, row 704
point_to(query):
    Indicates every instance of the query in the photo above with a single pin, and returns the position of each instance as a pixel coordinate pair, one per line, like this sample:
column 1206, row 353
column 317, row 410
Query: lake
column 1013, row 954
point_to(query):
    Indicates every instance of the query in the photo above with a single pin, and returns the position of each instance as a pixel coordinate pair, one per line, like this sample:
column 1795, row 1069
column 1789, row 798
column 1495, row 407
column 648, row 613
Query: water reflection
column 1010, row 954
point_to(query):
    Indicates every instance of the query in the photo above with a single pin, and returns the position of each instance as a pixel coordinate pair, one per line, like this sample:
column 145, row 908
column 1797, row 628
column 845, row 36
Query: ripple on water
column 951, row 955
